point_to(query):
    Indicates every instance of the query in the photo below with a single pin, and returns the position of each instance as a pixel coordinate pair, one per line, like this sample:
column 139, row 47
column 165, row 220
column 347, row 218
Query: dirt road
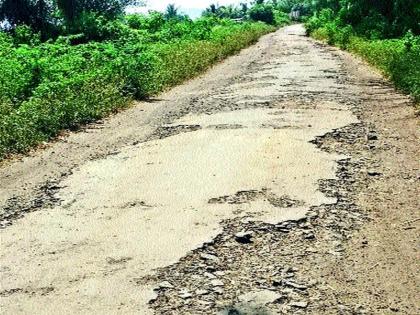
column 283, row 180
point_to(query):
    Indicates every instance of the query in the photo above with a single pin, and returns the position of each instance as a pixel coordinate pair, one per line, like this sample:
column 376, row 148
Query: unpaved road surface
column 284, row 180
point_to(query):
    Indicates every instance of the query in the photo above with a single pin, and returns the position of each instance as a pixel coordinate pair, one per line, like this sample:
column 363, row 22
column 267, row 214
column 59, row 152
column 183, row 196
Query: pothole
column 285, row 258
column 242, row 197
column 168, row 131
column 16, row 207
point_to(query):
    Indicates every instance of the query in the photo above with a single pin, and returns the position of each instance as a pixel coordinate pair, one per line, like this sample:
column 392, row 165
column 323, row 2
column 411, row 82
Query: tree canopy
column 43, row 15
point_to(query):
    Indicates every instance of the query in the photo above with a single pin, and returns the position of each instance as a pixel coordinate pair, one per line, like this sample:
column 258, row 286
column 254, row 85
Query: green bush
column 404, row 70
column 319, row 20
column 281, row 18
column 344, row 36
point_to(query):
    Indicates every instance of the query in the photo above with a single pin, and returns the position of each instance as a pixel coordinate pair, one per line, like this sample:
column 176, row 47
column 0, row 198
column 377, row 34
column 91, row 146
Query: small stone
column 312, row 214
column 244, row 237
column 283, row 225
column 372, row 135
column 259, row 298
column 219, row 273
column 210, row 257
column 204, row 303
column 277, row 282
column 165, row 285
column 343, row 308
column 312, row 250
column 374, row 173
column 218, row 290
column 217, row 283
column 185, row 294
column 299, row 304
column 288, row 291
column 4, row 223
column 211, row 269
column 309, row 236
column 209, row 275
column 289, row 275
column 201, row 292
column 294, row 285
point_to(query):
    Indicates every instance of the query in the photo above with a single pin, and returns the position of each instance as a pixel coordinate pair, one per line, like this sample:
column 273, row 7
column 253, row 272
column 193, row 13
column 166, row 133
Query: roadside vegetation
column 384, row 33
column 68, row 62
column 65, row 63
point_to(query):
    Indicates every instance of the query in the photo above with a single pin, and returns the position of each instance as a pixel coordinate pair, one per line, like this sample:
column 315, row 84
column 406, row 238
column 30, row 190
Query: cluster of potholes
column 283, row 260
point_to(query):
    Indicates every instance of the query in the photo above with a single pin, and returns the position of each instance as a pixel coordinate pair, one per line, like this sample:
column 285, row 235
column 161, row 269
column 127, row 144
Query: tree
column 244, row 8
column 406, row 16
column 42, row 17
column 16, row 12
column 171, row 12
column 33, row 13
column 212, row 10
column 69, row 9
column 227, row 12
column 327, row 4
column 287, row 5
column 262, row 12
column 72, row 9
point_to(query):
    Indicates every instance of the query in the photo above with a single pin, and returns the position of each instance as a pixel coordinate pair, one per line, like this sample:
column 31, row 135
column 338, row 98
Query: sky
column 191, row 7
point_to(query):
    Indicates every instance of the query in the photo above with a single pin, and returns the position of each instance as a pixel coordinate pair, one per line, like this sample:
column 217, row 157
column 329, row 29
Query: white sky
column 191, row 7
